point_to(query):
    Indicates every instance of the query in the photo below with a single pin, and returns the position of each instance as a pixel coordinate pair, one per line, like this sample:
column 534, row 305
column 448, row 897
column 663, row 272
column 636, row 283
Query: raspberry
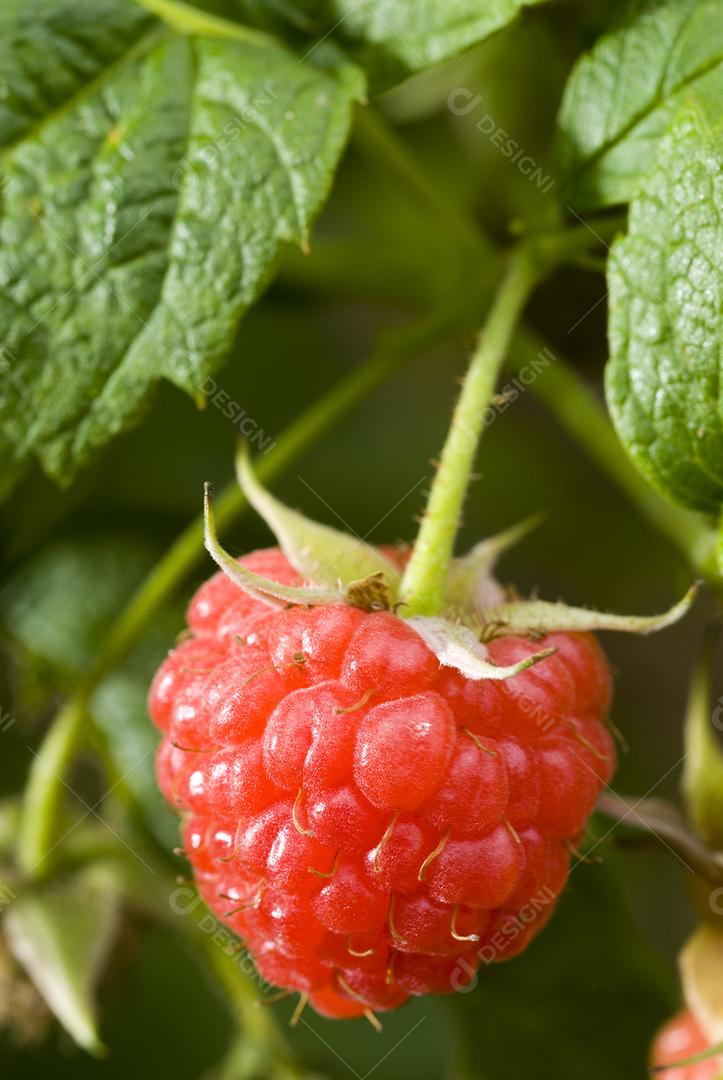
column 682, row 1038
column 371, row 823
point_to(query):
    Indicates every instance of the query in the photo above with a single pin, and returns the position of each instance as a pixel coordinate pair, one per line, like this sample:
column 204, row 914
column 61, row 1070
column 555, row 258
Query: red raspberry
column 682, row 1038
column 372, row 824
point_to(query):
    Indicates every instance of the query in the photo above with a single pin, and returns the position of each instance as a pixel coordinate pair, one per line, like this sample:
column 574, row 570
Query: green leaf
column 392, row 39
column 52, row 50
column 622, row 95
column 61, row 934
column 664, row 374
column 321, row 554
column 59, row 605
column 11, row 469
column 57, row 610
column 146, row 200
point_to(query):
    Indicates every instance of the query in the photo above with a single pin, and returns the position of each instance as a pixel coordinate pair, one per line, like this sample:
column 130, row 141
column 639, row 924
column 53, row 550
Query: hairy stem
column 423, row 585
column 573, row 404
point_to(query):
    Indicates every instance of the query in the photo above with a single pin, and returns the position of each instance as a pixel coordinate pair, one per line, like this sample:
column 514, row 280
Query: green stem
column 596, row 264
column 383, row 146
column 580, row 413
column 261, row 1049
column 703, row 770
column 423, row 585
column 189, row 20
column 45, row 788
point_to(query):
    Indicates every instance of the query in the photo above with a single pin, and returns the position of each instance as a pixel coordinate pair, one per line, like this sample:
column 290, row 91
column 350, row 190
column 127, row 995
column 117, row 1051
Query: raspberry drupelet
column 680, row 1039
column 371, row 823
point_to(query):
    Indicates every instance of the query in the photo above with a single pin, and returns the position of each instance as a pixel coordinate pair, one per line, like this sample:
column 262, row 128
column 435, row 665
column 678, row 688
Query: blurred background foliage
column 587, row 996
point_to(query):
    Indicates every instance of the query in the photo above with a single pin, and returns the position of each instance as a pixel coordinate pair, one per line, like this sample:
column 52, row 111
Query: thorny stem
column 45, row 788
column 423, row 585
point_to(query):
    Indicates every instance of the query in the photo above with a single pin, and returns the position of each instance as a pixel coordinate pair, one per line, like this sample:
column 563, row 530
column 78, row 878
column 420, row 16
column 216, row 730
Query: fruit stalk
column 423, row 586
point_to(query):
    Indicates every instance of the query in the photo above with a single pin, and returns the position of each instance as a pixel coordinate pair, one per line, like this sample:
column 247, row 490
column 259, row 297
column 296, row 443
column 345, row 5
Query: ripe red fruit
column 372, row 824
column 682, row 1038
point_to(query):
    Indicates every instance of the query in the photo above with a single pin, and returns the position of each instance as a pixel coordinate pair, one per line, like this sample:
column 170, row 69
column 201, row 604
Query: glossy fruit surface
column 372, row 824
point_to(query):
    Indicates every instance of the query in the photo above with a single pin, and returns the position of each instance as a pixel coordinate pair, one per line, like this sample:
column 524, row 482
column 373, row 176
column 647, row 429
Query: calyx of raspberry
column 339, row 568
column 321, row 554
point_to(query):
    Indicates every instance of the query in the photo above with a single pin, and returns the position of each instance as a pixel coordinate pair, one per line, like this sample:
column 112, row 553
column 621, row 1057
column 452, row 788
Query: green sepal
column 457, row 646
column 260, row 588
column 322, row 554
column 470, row 582
column 542, row 616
